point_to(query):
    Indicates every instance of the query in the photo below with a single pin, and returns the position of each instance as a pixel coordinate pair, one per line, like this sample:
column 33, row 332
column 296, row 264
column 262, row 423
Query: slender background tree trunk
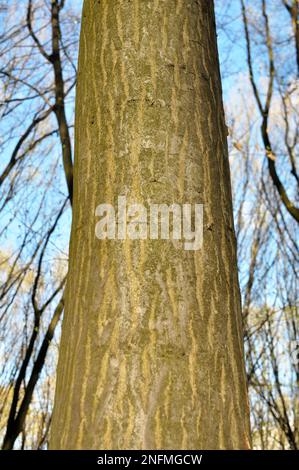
column 152, row 350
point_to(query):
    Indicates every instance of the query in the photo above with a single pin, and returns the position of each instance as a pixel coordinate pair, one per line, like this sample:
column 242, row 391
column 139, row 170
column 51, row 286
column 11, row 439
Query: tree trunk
column 151, row 353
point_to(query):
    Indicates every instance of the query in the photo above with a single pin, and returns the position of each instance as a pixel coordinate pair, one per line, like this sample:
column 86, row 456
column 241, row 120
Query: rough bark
column 151, row 353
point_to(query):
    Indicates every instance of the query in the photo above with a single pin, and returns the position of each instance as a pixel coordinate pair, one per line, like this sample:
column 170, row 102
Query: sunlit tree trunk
column 151, row 353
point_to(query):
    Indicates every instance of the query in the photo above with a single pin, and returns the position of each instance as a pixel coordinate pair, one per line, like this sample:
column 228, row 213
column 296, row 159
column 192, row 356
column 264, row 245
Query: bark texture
column 152, row 352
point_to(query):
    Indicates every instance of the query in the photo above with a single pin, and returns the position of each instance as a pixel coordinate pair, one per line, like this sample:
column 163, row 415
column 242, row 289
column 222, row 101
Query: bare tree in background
column 263, row 109
column 38, row 75
column 280, row 84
